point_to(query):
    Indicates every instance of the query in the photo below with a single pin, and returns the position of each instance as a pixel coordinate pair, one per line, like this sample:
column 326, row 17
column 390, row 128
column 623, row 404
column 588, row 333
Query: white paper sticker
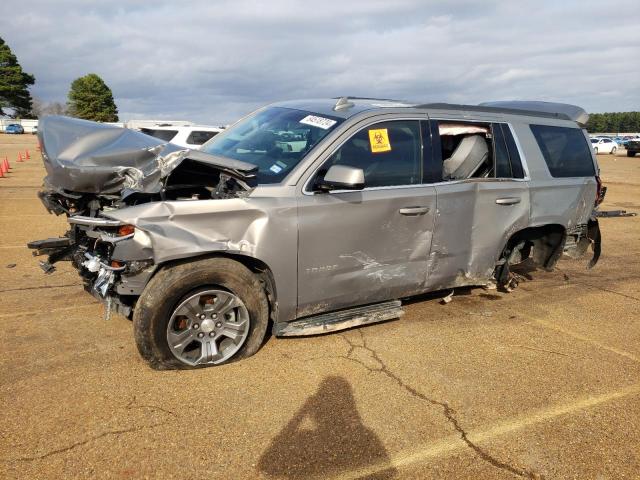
column 319, row 122
column 275, row 169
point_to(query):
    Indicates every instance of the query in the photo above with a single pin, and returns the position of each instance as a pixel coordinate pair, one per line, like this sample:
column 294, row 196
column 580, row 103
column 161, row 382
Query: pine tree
column 90, row 98
column 15, row 99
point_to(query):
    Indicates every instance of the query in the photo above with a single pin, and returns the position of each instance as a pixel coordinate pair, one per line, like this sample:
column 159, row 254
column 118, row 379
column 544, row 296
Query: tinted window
column 389, row 153
column 565, row 150
column 165, row 135
column 501, row 154
column 516, row 163
column 198, row 137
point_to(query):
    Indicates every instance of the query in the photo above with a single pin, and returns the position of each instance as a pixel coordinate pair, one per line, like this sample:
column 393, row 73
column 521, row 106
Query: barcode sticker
column 320, row 122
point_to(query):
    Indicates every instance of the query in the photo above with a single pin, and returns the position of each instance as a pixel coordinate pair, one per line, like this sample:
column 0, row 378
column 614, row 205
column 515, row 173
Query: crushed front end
column 94, row 170
column 115, row 260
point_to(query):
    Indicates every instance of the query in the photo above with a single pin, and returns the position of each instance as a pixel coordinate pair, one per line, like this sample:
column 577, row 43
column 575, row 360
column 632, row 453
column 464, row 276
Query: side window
column 467, row 150
column 500, row 153
column 478, row 150
column 516, row 163
column 565, row 150
column 198, row 137
column 166, row 135
column 389, row 153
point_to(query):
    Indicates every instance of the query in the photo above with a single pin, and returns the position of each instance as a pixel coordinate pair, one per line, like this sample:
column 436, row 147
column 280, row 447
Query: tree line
column 89, row 97
column 614, row 122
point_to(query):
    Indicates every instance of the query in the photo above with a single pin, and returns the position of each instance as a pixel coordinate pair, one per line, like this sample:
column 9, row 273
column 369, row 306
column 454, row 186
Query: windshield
column 274, row 139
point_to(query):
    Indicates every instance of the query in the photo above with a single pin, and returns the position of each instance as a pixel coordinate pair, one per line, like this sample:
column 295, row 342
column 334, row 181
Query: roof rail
column 573, row 112
column 492, row 109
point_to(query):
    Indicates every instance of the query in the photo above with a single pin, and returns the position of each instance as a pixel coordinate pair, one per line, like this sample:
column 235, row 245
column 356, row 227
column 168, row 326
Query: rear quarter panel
column 563, row 201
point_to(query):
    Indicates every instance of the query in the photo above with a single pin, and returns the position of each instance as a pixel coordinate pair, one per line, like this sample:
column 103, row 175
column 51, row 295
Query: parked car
column 14, row 129
column 633, row 147
column 189, row 136
column 604, row 145
column 313, row 216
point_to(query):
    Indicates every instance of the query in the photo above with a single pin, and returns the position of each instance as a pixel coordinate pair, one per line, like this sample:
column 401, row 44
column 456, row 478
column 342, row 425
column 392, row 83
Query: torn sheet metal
column 90, row 157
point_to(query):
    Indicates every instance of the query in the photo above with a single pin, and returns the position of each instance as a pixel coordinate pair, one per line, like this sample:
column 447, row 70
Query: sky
column 214, row 61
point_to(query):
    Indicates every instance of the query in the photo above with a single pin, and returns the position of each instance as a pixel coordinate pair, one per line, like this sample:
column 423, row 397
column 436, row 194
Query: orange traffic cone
column 20, row 156
column 5, row 165
column 27, row 157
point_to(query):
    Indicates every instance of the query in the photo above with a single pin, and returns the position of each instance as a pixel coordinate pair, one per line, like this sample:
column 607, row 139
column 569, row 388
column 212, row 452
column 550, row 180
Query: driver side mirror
column 341, row 177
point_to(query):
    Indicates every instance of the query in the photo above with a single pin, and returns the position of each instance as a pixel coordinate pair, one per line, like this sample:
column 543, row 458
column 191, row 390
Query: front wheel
column 200, row 313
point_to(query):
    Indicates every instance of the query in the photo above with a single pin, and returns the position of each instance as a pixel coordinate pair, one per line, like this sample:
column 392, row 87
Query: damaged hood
column 89, row 157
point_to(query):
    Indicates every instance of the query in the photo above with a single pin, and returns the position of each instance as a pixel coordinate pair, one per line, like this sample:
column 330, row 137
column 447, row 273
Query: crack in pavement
column 130, row 406
column 41, row 287
column 448, row 412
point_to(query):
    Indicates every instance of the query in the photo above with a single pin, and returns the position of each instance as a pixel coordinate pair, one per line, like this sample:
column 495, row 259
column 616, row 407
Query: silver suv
column 311, row 216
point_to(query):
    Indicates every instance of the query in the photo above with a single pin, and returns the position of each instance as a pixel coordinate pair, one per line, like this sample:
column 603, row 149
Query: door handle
column 414, row 210
column 507, row 200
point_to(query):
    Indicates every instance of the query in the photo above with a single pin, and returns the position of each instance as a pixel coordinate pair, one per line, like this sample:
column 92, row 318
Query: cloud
column 212, row 62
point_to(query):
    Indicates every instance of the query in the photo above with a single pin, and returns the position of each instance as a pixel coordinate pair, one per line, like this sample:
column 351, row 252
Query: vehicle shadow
column 326, row 437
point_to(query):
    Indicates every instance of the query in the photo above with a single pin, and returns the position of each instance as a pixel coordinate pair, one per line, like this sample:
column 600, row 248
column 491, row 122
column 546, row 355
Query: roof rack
column 562, row 111
column 481, row 108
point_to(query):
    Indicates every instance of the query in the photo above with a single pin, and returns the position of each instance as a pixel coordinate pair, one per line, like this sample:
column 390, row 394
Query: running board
column 340, row 320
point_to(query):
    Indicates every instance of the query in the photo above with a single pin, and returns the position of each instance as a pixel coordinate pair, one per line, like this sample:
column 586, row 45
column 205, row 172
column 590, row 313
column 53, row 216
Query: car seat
column 466, row 159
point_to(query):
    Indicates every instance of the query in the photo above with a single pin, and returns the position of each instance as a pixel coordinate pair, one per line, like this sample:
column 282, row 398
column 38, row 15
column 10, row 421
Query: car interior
column 466, row 151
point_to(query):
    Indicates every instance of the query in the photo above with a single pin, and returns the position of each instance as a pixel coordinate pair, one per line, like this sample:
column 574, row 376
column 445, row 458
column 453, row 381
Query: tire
column 631, row 154
column 173, row 287
column 596, row 150
column 613, row 150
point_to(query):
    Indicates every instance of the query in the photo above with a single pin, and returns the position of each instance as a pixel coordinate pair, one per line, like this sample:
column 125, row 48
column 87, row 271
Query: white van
column 192, row 136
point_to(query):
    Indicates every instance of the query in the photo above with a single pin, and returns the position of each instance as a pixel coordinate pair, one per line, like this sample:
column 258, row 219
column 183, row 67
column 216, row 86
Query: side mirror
column 341, row 177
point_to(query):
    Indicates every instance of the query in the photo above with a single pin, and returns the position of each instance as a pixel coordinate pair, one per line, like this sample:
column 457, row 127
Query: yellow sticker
column 379, row 140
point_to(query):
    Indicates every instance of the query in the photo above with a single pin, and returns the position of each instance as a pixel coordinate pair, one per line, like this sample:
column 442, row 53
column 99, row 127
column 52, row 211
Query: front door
column 360, row 247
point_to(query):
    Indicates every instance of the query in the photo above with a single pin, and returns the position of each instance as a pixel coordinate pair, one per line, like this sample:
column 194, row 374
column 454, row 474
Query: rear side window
column 516, row 162
column 198, row 137
column 165, row 135
column 565, row 150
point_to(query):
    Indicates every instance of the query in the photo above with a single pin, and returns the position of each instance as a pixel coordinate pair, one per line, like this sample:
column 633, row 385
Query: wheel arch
column 255, row 265
column 543, row 243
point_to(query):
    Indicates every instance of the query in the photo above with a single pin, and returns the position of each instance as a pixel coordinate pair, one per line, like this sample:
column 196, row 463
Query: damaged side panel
column 263, row 228
column 475, row 220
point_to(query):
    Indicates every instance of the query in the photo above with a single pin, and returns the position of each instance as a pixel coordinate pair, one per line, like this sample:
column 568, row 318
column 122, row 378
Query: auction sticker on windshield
column 379, row 140
column 320, row 122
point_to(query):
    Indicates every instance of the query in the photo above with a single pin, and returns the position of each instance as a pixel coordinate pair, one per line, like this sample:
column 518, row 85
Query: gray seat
column 465, row 160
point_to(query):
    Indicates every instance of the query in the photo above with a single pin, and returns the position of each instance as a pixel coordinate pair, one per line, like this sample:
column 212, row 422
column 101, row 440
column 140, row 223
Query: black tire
column 631, row 154
column 174, row 283
column 614, row 150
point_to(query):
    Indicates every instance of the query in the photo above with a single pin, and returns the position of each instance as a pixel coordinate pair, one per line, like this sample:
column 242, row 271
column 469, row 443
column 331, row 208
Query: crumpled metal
column 89, row 157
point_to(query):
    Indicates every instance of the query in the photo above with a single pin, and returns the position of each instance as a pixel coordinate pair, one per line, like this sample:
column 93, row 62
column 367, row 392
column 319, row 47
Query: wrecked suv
column 312, row 216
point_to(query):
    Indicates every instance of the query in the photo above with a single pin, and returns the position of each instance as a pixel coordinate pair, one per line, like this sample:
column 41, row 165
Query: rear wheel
column 631, row 154
column 596, row 150
column 613, row 150
column 201, row 313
